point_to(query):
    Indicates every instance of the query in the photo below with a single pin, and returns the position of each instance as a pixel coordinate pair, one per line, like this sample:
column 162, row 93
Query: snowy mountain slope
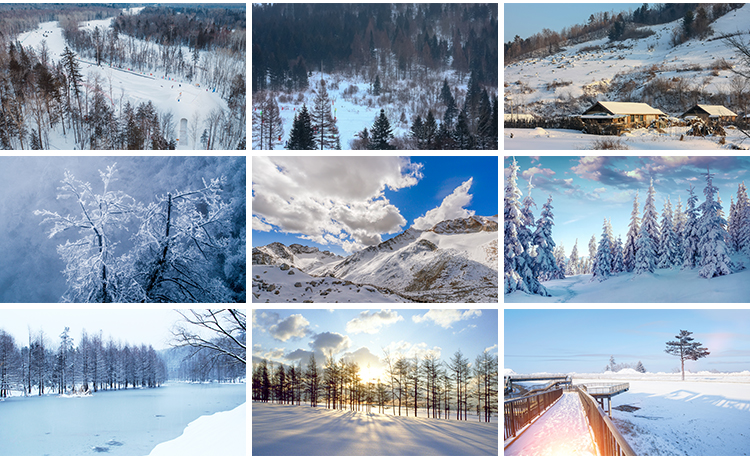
column 601, row 69
column 296, row 255
column 455, row 261
column 279, row 284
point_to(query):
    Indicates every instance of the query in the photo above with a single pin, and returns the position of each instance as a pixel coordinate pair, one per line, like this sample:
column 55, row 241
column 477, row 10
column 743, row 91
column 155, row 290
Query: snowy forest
column 375, row 76
column 104, row 78
column 702, row 239
column 417, row 385
column 125, row 229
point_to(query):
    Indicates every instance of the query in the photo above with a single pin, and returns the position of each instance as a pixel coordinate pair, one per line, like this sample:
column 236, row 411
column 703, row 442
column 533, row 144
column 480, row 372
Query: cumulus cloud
column 446, row 317
column 331, row 342
column 258, row 225
column 534, row 170
column 406, row 349
column 299, row 354
column 293, row 326
column 268, row 354
column 331, row 200
column 367, row 322
column 363, row 356
column 263, row 319
column 451, row 208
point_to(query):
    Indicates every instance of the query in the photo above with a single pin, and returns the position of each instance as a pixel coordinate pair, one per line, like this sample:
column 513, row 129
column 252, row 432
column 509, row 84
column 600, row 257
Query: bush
column 558, row 84
column 609, row 144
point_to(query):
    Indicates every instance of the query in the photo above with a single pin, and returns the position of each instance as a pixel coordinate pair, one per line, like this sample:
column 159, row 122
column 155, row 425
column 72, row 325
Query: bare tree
column 228, row 327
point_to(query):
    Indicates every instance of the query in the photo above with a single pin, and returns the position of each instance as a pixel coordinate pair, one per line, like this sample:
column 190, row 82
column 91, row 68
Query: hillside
column 650, row 70
column 454, row 261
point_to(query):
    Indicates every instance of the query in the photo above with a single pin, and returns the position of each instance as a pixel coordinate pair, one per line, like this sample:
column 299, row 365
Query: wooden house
column 710, row 112
column 613, row 117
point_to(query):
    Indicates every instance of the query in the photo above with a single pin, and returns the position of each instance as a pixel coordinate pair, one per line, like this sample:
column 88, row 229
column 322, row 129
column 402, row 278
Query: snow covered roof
column 627, row 108
column 713, row 110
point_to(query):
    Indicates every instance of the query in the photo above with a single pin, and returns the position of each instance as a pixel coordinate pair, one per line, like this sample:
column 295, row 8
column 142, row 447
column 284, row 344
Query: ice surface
column 561, row 431
column 284, row 430
column 220, row 434
column 121, row 423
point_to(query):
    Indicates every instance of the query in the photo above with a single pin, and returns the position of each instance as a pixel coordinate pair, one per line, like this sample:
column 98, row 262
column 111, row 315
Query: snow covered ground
column 220, row 434
column 639, row 139
column 663, row 286
column 185, row 100
column 561, row 431
column 285, row 430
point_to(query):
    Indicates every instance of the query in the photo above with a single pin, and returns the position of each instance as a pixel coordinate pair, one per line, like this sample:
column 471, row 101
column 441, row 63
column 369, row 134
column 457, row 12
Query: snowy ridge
column 296, row 255
column 455, row 261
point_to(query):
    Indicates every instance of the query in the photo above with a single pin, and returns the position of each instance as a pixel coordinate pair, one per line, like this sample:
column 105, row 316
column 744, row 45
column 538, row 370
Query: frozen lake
column 114, row 423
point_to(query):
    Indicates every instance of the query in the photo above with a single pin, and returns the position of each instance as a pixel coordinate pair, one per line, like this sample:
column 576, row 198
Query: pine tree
column 639, row 367
column 679, row 229
column 668, row 239
column 526, row 234
column 645, row 256
column 443, row 138
column 376, row 86
column 301, row 137
column 484, row 135
column 381, row 133
column 462, row 134
column 690, row 238
column 686, row 349
column 322, row 122
column 632, row 236
column 518, row 265
column 450, row 113
column 591, row 265
column 560, row 258
column 417, row 132
column 603, row 260
column 445, row 92
column 618, row 265
column 430, row 130
column 713, row 249
column 546, row 264
column 573, row 262
column 650, row 219
column 274, row 128
column 743, row 219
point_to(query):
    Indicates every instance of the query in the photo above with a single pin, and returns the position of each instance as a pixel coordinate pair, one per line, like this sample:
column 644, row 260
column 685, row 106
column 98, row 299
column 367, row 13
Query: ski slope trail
column 562, row 431
column 285, row 430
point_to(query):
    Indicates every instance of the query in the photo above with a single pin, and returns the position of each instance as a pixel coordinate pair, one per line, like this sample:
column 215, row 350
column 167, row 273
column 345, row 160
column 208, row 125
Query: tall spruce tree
column 301, row 137
column 381, row 133
column 546, row 264
column 690, row 236
column 618, row 265
column 603, row 263
column 322, row 122
column 573, row 261
column 632, row 236
column 668, row 240
column 714, row 254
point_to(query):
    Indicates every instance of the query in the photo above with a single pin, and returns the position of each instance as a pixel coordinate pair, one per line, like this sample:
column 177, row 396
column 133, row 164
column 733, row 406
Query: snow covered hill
column 631, row 70
column 454, row 261
column 296, row 255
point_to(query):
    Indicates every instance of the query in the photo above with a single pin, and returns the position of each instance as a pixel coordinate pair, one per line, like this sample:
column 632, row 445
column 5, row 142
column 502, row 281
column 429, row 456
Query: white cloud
column 451, row 208
column 446, row 317
column 371, row 323
column 363, row 356
column 293, row 326
column 332, row 342
column 258, row 225
column 340, row 197
column 491, row 348
column 268, row 354
column 409, row 350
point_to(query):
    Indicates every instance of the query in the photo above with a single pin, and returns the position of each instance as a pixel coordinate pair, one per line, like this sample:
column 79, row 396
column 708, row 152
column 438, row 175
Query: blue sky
column 526, row 19
column 582, row 340
column 585, row 190
column 344, row 204
column 292, row 335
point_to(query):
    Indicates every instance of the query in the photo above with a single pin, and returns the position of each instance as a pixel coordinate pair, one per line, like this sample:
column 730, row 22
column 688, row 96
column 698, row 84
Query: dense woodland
column 620, row 26
column 46, row 366
column 416, row 57
column 410, row 384
column 39, row 95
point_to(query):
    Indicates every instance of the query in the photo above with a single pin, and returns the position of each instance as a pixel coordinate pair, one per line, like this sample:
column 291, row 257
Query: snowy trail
column 284, row 430
column 562, row 431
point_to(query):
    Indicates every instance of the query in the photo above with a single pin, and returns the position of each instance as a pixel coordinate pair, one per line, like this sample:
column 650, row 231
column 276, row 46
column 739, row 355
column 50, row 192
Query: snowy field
column 183, row 99
column 220, row 434
column 128, row 422
column 685, row 418
column 662, row 286
column 285, row 430
column 639, row 139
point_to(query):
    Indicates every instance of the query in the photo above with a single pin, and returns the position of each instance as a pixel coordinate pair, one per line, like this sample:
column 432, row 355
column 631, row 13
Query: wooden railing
column 521, row 411
column 606, row 435
column 604, row 389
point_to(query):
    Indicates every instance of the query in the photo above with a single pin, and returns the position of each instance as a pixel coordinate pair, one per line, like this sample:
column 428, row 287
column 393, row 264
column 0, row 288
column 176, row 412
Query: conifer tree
column 484, row 135
column 381, row 133
column 546, row 265
column 560, row 258
column 668, row 239
column 618, row 265
column 526, row 235
column 679, row 229
column 322, row 122
column 462, row 134
column 430, row 130
column 632, row 236
column 743, row 219
column 713, row 249
column 591, row 265
column 273, row 125
column 603, row 260
column 650, row 219
column 645, row 256
column 690, row 238
column 417, row 132
column 301, row 137
column 573, row 262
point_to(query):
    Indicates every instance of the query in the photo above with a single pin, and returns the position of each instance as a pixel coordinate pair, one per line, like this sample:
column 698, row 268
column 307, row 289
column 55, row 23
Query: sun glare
column 370, row 374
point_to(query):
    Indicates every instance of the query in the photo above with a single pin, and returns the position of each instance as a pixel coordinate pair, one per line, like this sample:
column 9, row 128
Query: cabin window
column 632, row 118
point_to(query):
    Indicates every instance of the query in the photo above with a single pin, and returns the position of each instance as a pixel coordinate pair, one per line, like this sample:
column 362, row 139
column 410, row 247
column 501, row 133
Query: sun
column 370, row 374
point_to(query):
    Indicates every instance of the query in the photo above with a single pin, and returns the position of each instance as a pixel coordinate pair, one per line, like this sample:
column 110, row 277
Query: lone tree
column 686, row 349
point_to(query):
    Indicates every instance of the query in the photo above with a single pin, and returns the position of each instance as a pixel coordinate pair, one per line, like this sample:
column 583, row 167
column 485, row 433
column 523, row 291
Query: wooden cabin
column 614, row 117
column 710, row 112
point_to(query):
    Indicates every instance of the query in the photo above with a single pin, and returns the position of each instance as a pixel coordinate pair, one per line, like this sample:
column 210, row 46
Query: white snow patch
column 220, row 434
